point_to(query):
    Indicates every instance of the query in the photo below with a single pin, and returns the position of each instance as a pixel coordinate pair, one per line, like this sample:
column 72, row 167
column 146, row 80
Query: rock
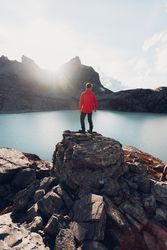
column 11, row 161
column 39, row 194
column 116, row 217
column 138, row 168
column 47, row 183
column 126, row 210
column 43, row 169
column 144, row 185
column 63, row 194
column 53, row 226
column 22, row 198
column 90, row 214
column 32, row 212
column 73, row 160
column 23, row 178
column 112, row 187
column 161, row 214
column 159, row 190
column 18, row 237
column 149, row 204
column 135, row 210
column 65, row 240
column 51, row 203
column 36, row 224
column 55, row 223
column 78, row 231
column 93, row 245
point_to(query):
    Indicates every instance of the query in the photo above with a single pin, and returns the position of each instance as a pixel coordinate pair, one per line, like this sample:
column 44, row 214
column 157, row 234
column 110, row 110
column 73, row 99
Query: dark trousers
column 82, row 120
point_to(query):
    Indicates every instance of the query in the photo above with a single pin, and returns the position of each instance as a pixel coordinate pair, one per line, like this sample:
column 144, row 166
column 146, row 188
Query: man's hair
column 89, row 85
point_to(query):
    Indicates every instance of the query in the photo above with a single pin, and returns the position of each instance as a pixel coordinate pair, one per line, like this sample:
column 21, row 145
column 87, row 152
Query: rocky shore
column 94, row 195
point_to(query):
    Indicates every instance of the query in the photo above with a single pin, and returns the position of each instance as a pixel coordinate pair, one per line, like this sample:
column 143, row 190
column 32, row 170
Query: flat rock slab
column 13, row 236
column 12, row 161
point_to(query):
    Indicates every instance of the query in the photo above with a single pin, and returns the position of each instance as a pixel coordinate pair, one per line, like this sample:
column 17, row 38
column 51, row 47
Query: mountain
column 140, row 100
column 26, row 87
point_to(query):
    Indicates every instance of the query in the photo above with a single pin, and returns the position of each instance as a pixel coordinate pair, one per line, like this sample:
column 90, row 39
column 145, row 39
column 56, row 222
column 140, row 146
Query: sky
column 123, row 40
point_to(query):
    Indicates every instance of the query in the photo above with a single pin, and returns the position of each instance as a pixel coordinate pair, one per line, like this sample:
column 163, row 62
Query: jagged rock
column 11, row 161
column 36, row 224
column 47, row 183
column 55, row 223
column 144, row 184
column 161, row 214
column 32, row 212
column 111, row 202
column 16, row 237
column 51, row 203
column 53, row 226
column 112, row 187
column 43, row 168
column 65, row 240
column 138, row 168
column 149, row 204
column 135, row 210
column 159, row 190
column 63, row 194
column 17, row 171
column 39, row 194
column 23, row 178
column 90, row 214
column 22, row 198
column 73, row 161
column 116, row 217
column 78, row 231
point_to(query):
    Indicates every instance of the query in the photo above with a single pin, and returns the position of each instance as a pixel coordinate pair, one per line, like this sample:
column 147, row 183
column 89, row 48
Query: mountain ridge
column 25, row 87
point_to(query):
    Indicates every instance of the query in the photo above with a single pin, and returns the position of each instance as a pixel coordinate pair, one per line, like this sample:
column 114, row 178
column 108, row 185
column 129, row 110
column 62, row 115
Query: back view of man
column 88, row 103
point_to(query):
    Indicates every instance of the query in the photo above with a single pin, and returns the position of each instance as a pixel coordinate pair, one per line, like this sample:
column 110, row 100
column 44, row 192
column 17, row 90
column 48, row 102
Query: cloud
column 51, row 42
column 149, row 68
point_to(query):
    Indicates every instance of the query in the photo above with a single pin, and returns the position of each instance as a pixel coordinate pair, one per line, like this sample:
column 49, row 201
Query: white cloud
column 149, row 69
column 26, row 30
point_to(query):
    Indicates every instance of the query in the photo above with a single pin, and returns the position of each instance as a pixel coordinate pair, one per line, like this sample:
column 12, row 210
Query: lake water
column 39, row 132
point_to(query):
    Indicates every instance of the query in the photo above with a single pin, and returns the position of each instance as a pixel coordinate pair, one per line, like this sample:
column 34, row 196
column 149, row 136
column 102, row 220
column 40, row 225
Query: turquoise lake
column 39, row 132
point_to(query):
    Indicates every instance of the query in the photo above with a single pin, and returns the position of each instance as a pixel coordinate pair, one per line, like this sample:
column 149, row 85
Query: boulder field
column 94, row 195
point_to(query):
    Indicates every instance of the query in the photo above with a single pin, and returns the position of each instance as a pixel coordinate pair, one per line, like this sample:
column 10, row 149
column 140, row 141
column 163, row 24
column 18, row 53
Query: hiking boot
column 81, row 131
column 90, row 131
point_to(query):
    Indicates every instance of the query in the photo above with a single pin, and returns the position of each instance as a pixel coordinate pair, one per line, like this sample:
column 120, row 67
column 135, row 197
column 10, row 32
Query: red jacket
column 88, row 101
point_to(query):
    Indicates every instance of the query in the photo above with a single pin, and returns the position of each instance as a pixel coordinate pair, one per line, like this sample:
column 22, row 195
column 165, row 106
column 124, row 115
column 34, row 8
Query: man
column 88, row 103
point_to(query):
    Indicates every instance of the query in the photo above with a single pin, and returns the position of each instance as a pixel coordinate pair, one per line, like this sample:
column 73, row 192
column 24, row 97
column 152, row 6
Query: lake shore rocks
column 96, row 195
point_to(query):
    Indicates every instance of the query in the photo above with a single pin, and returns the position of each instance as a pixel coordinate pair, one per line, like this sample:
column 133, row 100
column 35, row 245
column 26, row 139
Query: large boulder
column 90, row 215
column 87, row 161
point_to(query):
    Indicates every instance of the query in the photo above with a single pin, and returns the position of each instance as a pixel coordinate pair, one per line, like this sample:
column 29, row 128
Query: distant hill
column 25, row 87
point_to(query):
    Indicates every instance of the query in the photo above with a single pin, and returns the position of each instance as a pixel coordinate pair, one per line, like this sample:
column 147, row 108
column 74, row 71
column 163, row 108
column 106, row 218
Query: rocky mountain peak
column 75, row 61
column 3, row 58
column 28, row 61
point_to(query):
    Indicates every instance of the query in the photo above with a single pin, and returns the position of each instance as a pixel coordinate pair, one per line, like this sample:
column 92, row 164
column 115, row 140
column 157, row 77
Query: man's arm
column 95, row 103
column 81, row 101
